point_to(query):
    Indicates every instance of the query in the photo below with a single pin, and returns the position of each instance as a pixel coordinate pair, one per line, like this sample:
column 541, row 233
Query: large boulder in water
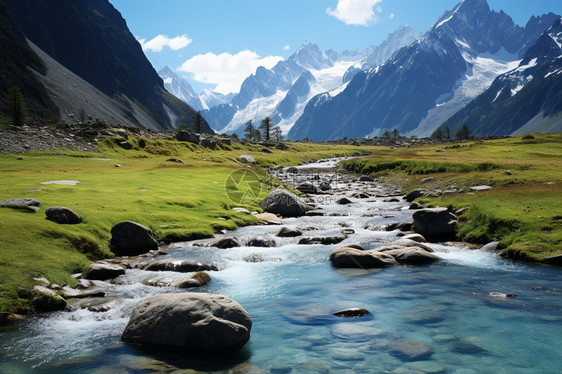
column 287, row 204
column 348, row 257
column 435, row 223
column 101, row 271
column 131, row 239
column 192, row 323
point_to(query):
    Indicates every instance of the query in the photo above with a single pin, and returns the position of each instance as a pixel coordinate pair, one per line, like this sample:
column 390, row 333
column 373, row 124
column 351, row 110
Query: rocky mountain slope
column 527, row 99
column 426, row 82
column 90, row 39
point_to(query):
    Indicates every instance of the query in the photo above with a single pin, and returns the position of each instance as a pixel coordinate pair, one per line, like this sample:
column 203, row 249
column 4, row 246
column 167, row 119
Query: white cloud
column 226, row 71
column 391, row 16
column 158, row 43
column 287, row 47
column 356, row 12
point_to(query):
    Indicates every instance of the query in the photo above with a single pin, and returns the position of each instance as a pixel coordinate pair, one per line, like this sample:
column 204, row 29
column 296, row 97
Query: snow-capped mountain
column 527, row 99
column 283, row 91
column 180, row 88
column 425, row 82
column 210, row 99
column 403, row 36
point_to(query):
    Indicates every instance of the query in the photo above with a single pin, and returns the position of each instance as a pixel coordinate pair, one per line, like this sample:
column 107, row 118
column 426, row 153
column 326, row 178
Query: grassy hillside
column 523, row 210
column 177, row 201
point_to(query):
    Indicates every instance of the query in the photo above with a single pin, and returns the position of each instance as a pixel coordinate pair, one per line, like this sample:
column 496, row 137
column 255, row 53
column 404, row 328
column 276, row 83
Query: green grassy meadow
column 177, row 201
column 524, row 209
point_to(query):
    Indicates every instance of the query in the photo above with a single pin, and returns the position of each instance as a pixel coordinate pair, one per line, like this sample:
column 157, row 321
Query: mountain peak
column 310, row 56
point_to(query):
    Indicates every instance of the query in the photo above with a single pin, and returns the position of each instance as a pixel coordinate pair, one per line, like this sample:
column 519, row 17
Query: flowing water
column 438, row 318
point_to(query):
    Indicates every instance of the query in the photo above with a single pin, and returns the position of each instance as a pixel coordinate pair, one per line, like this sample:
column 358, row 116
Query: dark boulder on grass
column 366, row 178
column 63, row 215
column 188, row 136
column 435, row 223
column 101, row 271
column 191, row 323
column 131, row 239
column 29, row 204
column 282, row 202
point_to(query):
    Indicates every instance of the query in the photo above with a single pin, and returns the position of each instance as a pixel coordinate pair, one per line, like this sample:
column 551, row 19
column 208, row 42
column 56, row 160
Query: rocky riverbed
column 466, row 310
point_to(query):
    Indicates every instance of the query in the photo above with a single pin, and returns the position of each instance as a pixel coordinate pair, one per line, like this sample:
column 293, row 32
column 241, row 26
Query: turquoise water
column 443, row 312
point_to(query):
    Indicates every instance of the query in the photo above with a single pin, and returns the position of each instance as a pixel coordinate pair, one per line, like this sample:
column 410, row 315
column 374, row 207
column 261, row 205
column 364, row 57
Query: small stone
column 176, row 160
column 288, row 232
column 344, row 201
column 225, row 243
column 247, row 159
column 352, row 312
column 480, row 188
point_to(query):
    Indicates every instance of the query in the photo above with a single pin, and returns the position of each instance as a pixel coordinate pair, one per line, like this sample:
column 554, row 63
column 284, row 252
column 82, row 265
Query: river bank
column 443, row 317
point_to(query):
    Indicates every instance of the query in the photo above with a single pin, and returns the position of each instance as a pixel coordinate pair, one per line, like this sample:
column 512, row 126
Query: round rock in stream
column 192, row 323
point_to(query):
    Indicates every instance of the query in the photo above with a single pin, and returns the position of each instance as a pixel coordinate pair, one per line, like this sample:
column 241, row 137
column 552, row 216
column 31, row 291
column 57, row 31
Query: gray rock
column 199, row 279
column 435, row 223
column 247, row 159
column 266, row 150
column 190, row 323
column 306, row 187
column 326, row 240
column 227, row 242
column 410, row 350
column 71, row 293
column 292, row 170
column 262, row 241
column 344, row 201
column 491, row 247
column 413, row 195
column 46, row 300
column 415, row 237
column 24, row 203
column 362, row 195
column 413, row 256
column 188, row 136
column 325, row 186
column 101, row 271
column 63, row 215
column 346, row 257
column 131, row 239
column 179, row 266
column 282, row 146
column 288, row 232
column 365, row 178
column 282, row 202
column 406, row 242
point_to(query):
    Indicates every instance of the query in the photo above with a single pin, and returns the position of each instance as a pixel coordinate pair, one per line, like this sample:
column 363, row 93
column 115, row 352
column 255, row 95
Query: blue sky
column 217, row 43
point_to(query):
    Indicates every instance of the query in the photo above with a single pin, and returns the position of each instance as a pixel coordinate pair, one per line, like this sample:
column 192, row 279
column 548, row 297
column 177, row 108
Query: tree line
column 266, row 131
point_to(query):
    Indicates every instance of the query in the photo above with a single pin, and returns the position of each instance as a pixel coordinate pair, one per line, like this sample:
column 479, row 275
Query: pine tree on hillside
column 463, row 132
column 15, row 106
column 266, row 126
column 250, row 131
